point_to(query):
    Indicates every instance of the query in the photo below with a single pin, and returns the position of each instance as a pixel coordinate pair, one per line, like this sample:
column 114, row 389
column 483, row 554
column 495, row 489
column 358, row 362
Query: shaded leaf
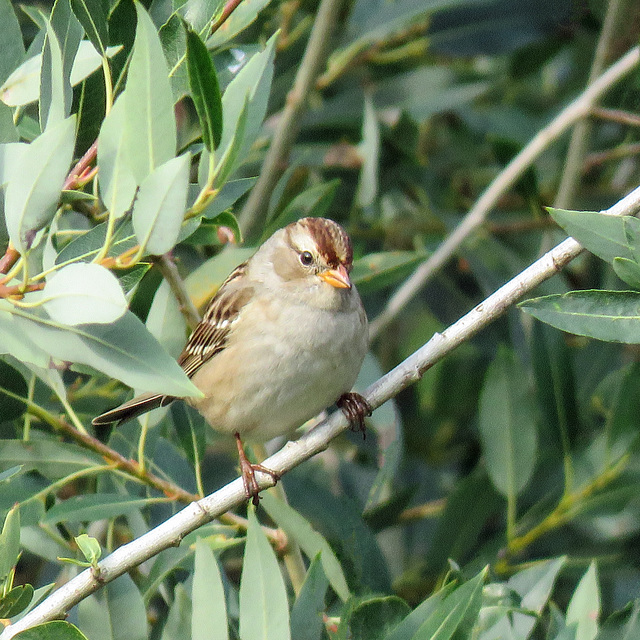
column 205, row 90
column 604, row 315
column 264, row 610
column 309, row 607
column 16, row 601
column 93, row 18
column 95, row 506
column 13, row 388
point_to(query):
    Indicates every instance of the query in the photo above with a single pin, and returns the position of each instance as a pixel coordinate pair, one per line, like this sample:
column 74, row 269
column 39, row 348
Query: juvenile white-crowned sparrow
column 283, row 338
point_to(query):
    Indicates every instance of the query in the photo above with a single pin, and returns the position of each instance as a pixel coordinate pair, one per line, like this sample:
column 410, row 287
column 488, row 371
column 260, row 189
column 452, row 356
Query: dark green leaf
column 11, row 43
column 375, row 618
column 309, row 607
column 12, row 388
column 205, row 90
column 16, row 601
column 92, row 16
column 627, row 270
column 94, row 507
column 613, row 316
column 507, row 425
column 264, row 610
column 55, row 630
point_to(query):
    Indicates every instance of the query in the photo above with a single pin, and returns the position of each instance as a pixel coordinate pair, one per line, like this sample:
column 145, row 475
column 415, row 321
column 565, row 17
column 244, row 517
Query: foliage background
column 518, row 451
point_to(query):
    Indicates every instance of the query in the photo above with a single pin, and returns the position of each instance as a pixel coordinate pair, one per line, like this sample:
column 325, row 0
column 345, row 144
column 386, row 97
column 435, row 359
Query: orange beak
column 338, row 278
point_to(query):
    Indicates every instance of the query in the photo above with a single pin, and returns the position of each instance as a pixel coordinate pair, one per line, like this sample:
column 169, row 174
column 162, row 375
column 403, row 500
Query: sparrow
column 283, row 338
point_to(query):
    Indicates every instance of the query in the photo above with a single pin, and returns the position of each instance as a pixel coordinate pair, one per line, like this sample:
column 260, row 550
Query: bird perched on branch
column 283, row 338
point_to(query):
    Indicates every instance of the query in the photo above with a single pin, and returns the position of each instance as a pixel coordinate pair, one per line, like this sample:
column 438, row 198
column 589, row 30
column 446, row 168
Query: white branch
column 578, row 109
column 292, row 454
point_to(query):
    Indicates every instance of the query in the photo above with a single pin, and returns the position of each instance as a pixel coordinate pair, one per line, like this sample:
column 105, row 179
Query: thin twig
column 617, row 115
column 579, row 108
column 582, row 131
column 171, row 532
column 313, row 61
column 169, row 271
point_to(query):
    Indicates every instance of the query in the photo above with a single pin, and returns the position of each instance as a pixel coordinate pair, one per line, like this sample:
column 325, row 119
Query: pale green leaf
column 584, row 606
column 209, row 611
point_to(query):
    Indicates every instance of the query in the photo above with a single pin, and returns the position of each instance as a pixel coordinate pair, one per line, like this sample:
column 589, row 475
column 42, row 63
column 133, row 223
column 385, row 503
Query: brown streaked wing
column 210, row 336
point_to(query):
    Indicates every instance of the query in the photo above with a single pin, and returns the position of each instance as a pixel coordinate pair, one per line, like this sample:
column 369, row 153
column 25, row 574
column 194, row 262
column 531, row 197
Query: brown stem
column 617, row 115
column 75, row 177
column 18, row 290
column 169, row 271
column 229, row 8
column 9, row 258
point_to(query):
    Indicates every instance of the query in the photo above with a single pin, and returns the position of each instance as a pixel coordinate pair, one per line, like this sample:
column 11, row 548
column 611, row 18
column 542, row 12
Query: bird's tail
column 133, row 408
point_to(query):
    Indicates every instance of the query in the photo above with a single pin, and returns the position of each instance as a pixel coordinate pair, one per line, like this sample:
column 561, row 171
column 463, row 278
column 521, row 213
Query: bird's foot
column 356, row 409
column 248, row 470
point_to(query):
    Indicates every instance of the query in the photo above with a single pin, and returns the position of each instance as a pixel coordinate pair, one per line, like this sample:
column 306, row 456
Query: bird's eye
column 306, row 258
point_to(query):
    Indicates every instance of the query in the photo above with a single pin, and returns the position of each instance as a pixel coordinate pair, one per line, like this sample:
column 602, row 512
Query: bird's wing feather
column 210, row 336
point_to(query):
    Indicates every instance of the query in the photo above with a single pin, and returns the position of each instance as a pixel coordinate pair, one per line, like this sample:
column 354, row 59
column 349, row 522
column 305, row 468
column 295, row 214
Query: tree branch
column 171, row 532
column 313, row 61
column 579, row 108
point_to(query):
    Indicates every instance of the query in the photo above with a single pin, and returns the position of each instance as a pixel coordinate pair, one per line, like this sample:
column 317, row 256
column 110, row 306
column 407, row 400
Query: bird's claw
column 356, row 409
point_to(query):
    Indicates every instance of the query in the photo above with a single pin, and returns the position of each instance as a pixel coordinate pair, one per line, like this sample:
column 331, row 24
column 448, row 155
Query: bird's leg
column 248, row 469
column 356, row 409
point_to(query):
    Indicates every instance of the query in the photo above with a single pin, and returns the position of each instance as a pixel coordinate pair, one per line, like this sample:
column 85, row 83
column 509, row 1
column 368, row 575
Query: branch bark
column 171, row 532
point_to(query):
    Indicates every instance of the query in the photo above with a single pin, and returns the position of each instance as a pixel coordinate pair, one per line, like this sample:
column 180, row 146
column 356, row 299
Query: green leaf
column 191, row 429
column 612, row 316
column 117, row 182
column 124, row 350
column 310, row 541
column 36, row 181
column 55, row 87
column 246, row 12
column 463, row 603
column 264, row 610
column 9, row 543
column 13, row 388
column 16, row 601
column 608, row 237
column 205, row 90
column 209, row 612
column 55, row 630
column 251, row 87
column 230, row 193
column 89, row 547
column 584, row 606
column 11, row 43
column 369, row 150
column 127, row 614
column 406, row 629
column 627, row 270
column 95, row 506
column 82, row 293
column 159, row 209
column 92, row 16
column 9, row 473
column 23, row 85
column 507, row 425
column 53, row 460
column 377, row 270
column 179, row 617
column 150, row 126
column 309, row 607
column 376, row 617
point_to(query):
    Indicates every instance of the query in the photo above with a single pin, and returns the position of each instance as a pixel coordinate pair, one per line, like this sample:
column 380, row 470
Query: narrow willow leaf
column 93, row 17
column 94, row 507
column 34, row 188
column 627, row 270
column 369, row 150
column 410, row 625
column 463, row 603
column 127, row 613
column 613, row 316
column 117, row 182
column 10, row 40
column 209, row 611
column 507, row 425
column 205, row 90
column 23, row 85
column 584, row 606
column 55, row 87
column 150, row 126
column 82, row 293
column 309, row 607
column 606, row 236
column 179, row 616
column 264, row 610
column 124, row 350
column 69, row 32
column 13, row 388
column 310, row 541
column 9, row 543
column 55, row 630
column 232, row 191
column 159, row 209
